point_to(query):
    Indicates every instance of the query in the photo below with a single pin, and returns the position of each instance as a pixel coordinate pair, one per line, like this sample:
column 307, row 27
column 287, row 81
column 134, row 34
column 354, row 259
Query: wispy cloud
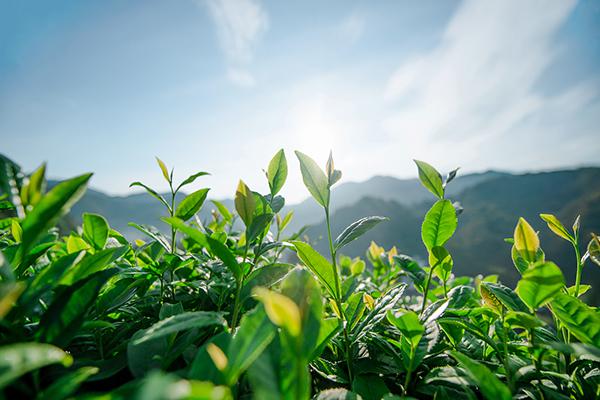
column 477, row 91
column 352, row 27
column 240, row 24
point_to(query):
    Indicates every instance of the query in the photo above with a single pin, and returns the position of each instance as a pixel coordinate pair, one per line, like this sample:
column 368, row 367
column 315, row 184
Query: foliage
column 235, row 307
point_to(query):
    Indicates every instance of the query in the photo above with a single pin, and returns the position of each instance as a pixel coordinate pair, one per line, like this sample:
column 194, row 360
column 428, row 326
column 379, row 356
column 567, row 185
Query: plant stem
column 426, row 291
column 579, row 267
column 238, row 291
column 338, row 297
column 173, row 230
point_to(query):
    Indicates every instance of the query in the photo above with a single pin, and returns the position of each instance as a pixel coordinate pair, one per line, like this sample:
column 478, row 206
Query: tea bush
column 236, row 307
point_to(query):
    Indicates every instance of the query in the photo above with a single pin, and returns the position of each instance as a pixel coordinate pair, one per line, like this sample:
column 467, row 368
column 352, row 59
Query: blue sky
column 221, row 85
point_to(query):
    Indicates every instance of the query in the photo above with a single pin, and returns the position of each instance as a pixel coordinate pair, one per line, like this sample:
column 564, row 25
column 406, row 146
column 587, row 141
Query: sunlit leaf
column 277, row 172
column 314, row 179
column 191, row 204
column 356, row 230
column 95, row 230
column 540, row 283
column 439, row 224
column 244, row 203
column 556, row 226
column 430, row 178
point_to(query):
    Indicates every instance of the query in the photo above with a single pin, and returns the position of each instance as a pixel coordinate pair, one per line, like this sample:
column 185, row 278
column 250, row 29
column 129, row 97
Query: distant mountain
column 491, row 210
column 404, row 191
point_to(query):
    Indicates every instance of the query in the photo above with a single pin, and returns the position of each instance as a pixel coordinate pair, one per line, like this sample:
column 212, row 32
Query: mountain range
column 492, row 201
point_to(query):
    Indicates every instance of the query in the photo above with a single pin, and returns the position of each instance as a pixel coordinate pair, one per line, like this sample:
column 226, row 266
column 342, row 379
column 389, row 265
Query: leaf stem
column 338, row 296
column 426, row 291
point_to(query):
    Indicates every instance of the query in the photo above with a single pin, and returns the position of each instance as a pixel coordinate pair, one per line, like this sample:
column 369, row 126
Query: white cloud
column 475, row 95
column 240, row 24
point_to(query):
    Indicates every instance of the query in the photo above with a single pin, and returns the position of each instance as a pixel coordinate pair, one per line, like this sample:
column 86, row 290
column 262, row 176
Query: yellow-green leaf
column 556, row 226
column 164, row 169
column 281, row 310
column 527, row 242
column 244, row 203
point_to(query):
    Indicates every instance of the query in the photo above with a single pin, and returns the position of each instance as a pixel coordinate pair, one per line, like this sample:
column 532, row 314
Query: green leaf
column 314, row 179
column 356, row 230
column 244, row 203
column 33, row 192
column 20, row 358
column 506, row 296
column 264, row 276
column 191, row 204
column 179, row 322
column 439, row 224
column 593, row 249
column 277, row 172
column 281, row 310
column 579, row 318
column 337, row 394
column 190, row 179
column 527, row 242
column 333, row 175
column 490, row 386
column 164, row 169
column 258, row 226
column 557, row 227
column 214, row 246
column 521, row 319
column 56, row 203
column 252, row 337
column 95, row 230
column 66, row 385
column 540, row 282
column 67, row 311
column 92, row 263
column 370, row 387
column 222, row 210
column 152, row 193
column 379, row 312
column 430, row 178
column 319, row 265
column 409, row 324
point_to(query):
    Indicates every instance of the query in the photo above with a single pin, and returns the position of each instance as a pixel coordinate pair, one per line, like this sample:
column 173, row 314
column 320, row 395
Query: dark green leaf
column 56, row 203
column 20, row 358
column 490, row 386
column 67, row 312
column 153, row 193
column 180, row 322
column 356, row 230
column 319, row 265
column 579, row 318
column 191, row 179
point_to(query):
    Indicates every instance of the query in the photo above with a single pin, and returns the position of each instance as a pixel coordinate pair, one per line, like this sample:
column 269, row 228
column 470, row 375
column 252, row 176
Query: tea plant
column 235, row 307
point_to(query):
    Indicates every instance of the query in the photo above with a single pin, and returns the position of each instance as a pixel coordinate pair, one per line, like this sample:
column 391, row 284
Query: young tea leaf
column 191, row 204
column 164, row 169
column 95, row 230
column 540, row 282
column 439, row 224
column 282, row 311
column 314, row 179
column 430, row 178
column 557, row 227
column 527, row 242
column 277, row 172
column 244, row 203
